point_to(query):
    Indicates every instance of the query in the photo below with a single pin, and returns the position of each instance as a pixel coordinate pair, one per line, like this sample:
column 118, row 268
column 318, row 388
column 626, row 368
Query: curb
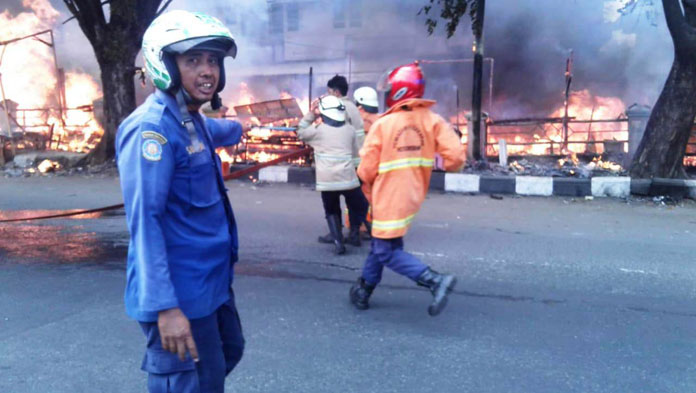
column 617, row 187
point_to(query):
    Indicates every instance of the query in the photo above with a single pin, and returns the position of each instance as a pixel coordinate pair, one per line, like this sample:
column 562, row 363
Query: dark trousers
column 220, row 347
column 352, row 216
column 355, row 200
column 390, row 253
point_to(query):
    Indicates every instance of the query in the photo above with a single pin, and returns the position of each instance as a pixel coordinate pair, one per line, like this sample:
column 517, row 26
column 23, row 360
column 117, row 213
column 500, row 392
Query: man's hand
column 175, row 332
column 314, row 106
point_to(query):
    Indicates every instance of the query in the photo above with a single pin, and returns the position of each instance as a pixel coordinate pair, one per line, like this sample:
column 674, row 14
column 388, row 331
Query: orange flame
column 582, row 105
column 28, row 73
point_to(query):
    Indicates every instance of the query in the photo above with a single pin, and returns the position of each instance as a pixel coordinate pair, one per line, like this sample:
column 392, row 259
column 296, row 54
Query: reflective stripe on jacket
column 333, row 154
column 397, row 161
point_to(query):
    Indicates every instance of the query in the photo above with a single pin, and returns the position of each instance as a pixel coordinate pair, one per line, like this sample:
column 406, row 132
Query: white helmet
column 332, row 108
column 366, row 96
column 176, row 32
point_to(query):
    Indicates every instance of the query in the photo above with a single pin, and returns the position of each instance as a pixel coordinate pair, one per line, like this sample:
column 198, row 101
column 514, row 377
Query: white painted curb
column 534, row 185
column 274, row 174
column 618, row 187
column 460, row 182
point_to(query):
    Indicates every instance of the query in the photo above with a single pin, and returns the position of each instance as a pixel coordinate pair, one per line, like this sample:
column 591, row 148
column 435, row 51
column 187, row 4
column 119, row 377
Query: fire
column 80, row 91
column 584, row 109
column 262, row 133
column 262, row 156
column 244, row 96
column 29, row 78
column 607, row 165
column 27, row 67
column 48, row 166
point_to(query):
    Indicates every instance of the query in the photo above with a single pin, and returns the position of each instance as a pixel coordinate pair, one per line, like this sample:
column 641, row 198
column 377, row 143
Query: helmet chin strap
column 215, row 102
column 187, row 121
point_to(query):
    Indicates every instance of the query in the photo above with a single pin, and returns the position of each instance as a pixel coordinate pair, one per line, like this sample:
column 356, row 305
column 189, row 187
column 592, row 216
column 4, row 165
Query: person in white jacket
column 334, row 144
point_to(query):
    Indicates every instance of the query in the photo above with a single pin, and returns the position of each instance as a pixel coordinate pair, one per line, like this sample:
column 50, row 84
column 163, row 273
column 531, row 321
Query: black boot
column 367, row 235
column 440, row 285
column 334, row 222
column 328, row 238
column 360, row 294
column 354, row 236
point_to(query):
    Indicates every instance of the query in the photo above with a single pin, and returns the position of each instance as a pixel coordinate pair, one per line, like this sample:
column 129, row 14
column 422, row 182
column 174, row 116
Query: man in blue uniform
column 183, row 235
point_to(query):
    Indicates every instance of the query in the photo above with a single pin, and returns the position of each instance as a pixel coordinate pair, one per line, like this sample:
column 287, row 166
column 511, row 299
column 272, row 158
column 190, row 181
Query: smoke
column 626, row 56
column 621, row 49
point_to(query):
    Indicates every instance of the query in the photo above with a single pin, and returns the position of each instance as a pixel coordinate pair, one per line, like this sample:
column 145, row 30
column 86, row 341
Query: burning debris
column 48, row 166
column 43, row 106
column 272, row 134
column 571, row 166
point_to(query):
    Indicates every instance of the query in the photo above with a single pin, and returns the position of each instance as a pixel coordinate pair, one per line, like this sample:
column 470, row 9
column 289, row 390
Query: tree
column 116, row 44
column 661, row 151
column 452, row 12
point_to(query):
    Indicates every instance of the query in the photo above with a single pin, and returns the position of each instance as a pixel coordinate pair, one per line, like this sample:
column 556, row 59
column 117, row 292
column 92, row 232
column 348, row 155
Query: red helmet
column 402, row 82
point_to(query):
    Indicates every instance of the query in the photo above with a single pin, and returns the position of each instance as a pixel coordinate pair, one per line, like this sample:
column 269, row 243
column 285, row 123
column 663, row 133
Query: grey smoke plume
column 627, row 57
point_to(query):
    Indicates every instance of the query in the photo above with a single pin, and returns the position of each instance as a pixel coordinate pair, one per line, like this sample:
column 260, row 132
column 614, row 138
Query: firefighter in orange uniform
column 396, row 163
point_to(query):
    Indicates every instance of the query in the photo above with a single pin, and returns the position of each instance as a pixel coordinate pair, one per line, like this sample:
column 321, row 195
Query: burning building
column 281, row 40
column 53, row 109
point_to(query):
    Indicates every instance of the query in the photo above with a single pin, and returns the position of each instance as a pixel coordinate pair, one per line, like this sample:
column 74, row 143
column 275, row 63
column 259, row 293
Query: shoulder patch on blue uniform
column 152, row 150
column 154, row 135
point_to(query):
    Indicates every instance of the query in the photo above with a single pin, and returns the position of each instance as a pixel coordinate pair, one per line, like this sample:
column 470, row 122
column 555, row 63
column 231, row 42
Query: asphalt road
column 554, row 295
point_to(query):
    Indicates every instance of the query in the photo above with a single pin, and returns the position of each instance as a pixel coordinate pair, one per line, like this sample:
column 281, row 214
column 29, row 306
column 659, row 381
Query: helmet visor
column 223, row 46
column 383, row 84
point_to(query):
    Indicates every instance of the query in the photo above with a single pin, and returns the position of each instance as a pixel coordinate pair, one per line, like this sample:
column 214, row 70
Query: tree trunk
column 661, row 151
column 477, row 87
column 119, row 101
column 115, row 44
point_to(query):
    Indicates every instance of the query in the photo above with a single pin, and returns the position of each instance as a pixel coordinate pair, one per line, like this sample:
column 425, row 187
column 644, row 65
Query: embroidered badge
column 152, row 150
column 154, row 135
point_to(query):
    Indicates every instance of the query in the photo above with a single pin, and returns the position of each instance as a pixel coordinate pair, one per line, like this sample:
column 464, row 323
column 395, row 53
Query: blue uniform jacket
column 183, row 235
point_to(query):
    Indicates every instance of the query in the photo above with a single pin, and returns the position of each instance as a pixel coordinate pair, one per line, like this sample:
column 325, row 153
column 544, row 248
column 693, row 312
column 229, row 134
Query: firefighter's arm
column 369, row 156
column 308, row 119
column 449, row 146
column 224, row 132
column 146, row 165
column 305, row 131
column 359, row 125
column 357, row 145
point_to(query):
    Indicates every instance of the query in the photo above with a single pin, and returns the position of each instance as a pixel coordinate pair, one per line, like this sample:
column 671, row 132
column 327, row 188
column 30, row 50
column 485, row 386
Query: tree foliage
column 450, row 11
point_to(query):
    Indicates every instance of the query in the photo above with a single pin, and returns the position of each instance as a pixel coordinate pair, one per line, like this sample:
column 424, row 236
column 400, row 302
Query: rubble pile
column 571, row 166
column 55, row 164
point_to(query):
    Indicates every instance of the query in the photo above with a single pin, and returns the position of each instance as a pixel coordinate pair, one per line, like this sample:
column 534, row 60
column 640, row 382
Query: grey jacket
column 333, row 153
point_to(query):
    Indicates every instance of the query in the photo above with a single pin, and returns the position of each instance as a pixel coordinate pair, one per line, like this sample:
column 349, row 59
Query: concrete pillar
column 637, row 120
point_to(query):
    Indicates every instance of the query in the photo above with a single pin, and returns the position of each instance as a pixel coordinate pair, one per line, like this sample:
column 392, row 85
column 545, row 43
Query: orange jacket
column 368, row 119
column 397, row 159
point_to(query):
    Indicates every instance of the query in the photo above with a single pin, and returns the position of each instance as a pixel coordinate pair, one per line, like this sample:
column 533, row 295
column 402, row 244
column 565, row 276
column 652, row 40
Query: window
column 275, row 19
column 339, row 14
column 293, row 16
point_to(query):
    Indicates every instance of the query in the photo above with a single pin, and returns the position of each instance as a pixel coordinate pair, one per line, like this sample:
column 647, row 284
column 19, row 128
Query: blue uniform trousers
column 390, row 253
column 220, row 346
